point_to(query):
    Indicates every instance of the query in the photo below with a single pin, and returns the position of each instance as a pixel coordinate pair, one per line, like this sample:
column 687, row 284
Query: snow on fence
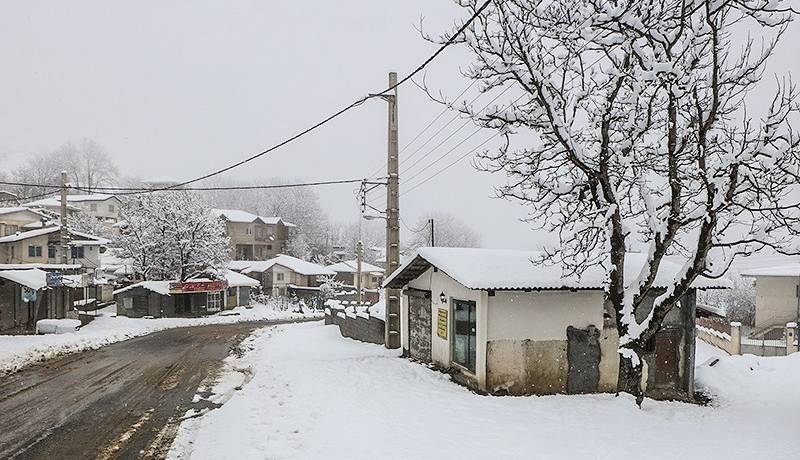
column 355, row 323
column 737, row 340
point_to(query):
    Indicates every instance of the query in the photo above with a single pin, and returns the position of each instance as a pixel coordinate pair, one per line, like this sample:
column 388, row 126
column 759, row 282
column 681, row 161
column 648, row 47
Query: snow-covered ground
column 306, row 392
column 17, row 351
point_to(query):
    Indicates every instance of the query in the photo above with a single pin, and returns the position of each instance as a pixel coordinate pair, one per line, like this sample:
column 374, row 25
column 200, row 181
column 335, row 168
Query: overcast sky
column 179, row 88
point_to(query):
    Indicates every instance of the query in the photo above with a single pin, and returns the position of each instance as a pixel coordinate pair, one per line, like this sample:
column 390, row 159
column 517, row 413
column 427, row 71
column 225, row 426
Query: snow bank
column 17, row 351
column 314, row 394
column 57, row 326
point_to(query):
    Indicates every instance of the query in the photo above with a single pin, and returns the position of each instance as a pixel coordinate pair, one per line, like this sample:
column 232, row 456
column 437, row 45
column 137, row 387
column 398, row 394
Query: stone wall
column 357, row 327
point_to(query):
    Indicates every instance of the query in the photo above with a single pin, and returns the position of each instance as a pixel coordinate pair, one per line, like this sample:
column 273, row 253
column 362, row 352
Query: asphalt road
column 120, row 401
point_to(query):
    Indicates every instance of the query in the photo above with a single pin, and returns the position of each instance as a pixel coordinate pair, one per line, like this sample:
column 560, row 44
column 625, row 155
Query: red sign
column 197, row 286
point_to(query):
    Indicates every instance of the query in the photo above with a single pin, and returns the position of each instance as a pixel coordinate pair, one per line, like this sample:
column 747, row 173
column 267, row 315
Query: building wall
column 776, row 300
column 439, row 282
column 17, row 252
column 15, row 221
column 527, row 338
column 107, row 210
column 263, row 241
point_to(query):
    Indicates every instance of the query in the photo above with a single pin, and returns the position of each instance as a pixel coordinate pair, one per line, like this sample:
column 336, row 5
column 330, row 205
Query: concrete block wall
column 361, row 328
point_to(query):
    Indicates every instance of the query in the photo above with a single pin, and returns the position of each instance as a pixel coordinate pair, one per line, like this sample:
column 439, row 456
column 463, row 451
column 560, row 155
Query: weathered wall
column 520, row 367
column 776, row 300
column 542, row 315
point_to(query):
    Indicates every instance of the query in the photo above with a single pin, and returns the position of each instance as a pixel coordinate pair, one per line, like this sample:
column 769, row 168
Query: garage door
column 419, row 324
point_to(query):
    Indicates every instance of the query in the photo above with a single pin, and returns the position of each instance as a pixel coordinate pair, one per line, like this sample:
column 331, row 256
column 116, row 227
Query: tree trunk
column 630, row 379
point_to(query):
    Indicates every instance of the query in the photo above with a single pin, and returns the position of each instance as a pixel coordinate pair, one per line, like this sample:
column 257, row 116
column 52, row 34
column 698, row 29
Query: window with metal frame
column 213, row 301
column 464, row 333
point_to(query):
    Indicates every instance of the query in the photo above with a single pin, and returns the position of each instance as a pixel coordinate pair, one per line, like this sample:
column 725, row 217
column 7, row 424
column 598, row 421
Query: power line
column 340, row 112
column 451, row 164
column 122, row 191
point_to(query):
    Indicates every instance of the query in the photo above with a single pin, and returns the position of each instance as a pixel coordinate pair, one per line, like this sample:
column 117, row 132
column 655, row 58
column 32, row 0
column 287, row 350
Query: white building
column 503, row 325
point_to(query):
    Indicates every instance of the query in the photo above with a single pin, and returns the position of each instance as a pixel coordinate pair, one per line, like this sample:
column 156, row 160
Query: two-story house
column 103, row 207
column 287, row 276
column 42, row 246
column 254, row 237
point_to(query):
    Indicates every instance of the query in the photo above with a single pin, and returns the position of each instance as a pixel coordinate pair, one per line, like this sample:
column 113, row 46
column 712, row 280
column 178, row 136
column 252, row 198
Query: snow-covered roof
column 34, row 278
column 159, row 287
column 240, row 265
column 19, row 236
column 13, row 209
column 292, row 263
column 235, row 279
column 790, row 270
column 54, row 201
column 237, row 215
column 350, row 266
column 40, row 266
column 87, row 238
column 504, row 269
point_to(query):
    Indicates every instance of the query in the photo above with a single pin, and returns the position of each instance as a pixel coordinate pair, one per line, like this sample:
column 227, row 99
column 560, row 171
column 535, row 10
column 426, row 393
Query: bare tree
column 87, row 163
column 630, row 124
column 449, row 231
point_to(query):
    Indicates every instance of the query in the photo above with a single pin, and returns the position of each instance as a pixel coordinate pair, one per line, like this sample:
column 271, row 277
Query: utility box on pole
column 392, row 336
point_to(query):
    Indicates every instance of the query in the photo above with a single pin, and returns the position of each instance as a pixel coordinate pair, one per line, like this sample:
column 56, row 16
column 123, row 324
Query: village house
column 43, row 246
column 777, row 295
column 8, row 199
column 371, row 275
column 287, row 276
column 103, row 207
column 199, row 295
column 503, row 325
column 254, row 237
column 19, row 218
column 25, row 298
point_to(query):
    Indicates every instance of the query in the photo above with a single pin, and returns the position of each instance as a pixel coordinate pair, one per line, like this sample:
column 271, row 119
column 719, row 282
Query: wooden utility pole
column 63, row 231
column 392, row 333
column 433, row 235
column 359, row 258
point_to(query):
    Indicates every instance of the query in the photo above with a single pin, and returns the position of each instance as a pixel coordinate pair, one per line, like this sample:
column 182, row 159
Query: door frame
column 452, row 338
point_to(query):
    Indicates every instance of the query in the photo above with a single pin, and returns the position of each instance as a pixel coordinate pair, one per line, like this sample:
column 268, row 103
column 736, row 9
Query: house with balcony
column 287, row 276
column 254, row 237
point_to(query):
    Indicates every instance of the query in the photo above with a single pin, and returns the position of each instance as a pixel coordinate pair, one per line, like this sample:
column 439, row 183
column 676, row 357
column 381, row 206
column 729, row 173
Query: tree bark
column 630, row 379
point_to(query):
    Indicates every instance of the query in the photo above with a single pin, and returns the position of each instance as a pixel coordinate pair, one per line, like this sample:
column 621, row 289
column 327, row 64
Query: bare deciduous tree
column 449, row 231
column 631, row 125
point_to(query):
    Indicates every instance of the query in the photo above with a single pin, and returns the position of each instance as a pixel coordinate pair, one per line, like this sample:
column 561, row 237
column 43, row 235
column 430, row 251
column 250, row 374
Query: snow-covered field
column 308, row 393
column 17, row 351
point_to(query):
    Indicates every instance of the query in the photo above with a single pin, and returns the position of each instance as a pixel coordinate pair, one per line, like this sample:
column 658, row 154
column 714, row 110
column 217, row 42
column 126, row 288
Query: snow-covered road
column 314, row 394
column 17, row 351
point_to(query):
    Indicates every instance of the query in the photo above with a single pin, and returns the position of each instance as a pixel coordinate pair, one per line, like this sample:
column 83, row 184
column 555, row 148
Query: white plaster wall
column 438, row 283
column 542, row 315
column 776, row 300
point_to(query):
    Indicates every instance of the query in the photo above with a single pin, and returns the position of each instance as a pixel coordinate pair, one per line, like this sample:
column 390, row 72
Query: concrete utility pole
column 392, row 334
column 63, row 231
column 359, row 258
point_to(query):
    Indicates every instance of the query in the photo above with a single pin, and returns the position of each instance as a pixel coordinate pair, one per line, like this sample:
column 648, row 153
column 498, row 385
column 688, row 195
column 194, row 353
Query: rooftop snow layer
column 478, row 268
column 34, row 278
column 239, row 265
column 292, row 263
column 792, row 270
column 235, row 279
column 350, row 266
column 159, row 287
column 237, row 215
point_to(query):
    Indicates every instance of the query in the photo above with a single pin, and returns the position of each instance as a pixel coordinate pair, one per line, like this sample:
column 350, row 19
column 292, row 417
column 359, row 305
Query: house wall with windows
column 106, row 210
column 13, row 220
column 46, row 249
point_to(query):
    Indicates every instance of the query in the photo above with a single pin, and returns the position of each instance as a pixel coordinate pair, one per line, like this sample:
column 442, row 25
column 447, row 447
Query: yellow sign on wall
column 441, row 323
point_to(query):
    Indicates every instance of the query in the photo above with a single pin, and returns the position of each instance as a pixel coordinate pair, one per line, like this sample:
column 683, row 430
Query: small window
column 34, row 251
column 249, row 231
column 111, row 208
column 279, row 276
column 93, row 207
column 77, row 252
column 51, row 252
column 269, row 247
column 213, row 301
column 260, row 251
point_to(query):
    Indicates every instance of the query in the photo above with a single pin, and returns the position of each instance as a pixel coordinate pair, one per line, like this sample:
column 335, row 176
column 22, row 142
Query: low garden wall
column 361, row 326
